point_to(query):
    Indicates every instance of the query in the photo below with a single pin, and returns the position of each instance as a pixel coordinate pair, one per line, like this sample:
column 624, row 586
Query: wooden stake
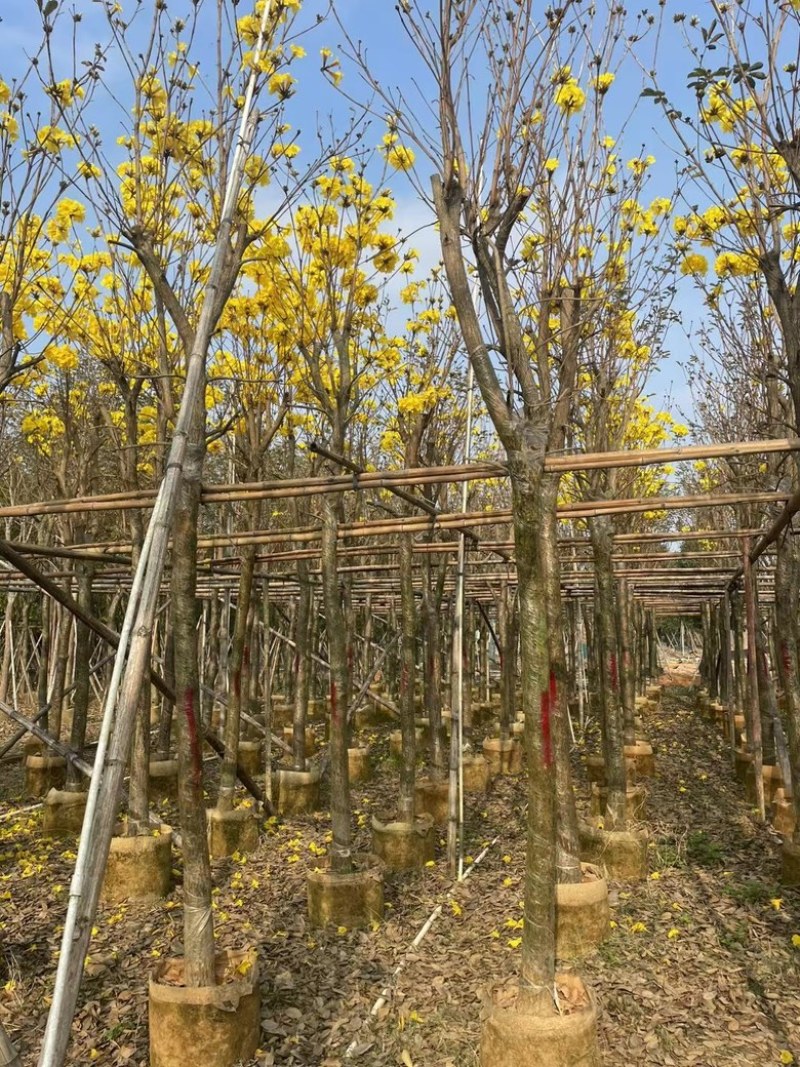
column 754, row 725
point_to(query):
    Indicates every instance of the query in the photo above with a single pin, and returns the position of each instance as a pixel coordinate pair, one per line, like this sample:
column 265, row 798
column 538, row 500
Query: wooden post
column 754, row 723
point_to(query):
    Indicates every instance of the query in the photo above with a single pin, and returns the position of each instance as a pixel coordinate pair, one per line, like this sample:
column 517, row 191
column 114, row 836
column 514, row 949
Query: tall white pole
column 458, row 638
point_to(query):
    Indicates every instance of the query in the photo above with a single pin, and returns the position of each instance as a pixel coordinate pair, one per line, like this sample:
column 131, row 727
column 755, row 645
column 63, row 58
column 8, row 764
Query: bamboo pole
column 498, row 517
column 311, row 486
column 455, row 823
column 754, row 726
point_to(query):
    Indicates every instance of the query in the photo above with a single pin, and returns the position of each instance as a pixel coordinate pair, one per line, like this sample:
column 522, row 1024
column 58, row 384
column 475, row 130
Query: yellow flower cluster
column 52, row 139
column 397, row 155
column 694, row 264
column 721, row 109
column 67, row 213
column 736, row 264
column 569, row 96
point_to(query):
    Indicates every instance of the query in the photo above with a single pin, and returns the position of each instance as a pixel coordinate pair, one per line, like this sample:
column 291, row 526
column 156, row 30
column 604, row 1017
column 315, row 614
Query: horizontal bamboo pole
column 498, row 517
column 377, row 480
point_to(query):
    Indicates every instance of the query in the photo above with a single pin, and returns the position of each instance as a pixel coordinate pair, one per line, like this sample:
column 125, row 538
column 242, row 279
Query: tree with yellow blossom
column 527, row 195
column 343, row 250
column 741, row 144
column 163, row 203
column 37, row 213
column 424, row 414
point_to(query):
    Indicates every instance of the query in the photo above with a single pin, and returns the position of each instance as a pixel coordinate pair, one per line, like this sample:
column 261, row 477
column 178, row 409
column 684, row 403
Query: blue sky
column 391, row 55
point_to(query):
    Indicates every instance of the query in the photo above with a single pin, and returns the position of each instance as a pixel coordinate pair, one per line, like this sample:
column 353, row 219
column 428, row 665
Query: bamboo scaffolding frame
column 377, row 480
column 454, row 520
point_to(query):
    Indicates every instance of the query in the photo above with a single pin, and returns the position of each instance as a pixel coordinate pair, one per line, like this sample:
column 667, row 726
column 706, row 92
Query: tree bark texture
column 407, row 678
column 341, row 854
column 569, row 863
column 601, row 534
column 198, row 929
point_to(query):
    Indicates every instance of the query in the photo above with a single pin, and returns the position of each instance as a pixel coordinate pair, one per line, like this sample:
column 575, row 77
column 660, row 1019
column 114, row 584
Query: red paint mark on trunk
column 548, row 696
column 335, row 716
column 787, row 659
column 614, row 679
column 194, row 740
column 237, row 683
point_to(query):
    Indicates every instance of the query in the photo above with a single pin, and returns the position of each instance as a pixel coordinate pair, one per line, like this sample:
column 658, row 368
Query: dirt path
column 700, row 968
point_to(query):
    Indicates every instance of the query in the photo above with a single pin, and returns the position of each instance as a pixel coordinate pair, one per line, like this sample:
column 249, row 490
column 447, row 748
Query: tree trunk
column 537, row 969
column 80, row 695
column 569, row 863
column 267, row 669
column 433, row 670
column 341, row 855
column 653, row 667
column 302, row 667
column 59, row 673
column 627, row 686
column 767, row 700
column 407, row 677
column 740, row 683
column 509, row 637
column 139, row 785
column 44, row 661
column 601, row 534
column 787, row 574
column 165, row 718
column 5, row 668
column 198, row 927
column 753, row 704
column 729, row 695
column 227, row 776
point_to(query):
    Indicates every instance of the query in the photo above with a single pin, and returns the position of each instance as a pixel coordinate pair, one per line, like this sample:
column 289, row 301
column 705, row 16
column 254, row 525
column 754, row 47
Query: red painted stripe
column 546, row 709
column 194, row 740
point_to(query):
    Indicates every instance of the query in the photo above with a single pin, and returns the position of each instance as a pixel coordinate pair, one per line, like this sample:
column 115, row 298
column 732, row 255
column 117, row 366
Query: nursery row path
column 701, row 966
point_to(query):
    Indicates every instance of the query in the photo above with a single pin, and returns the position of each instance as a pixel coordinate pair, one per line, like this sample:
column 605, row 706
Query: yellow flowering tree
column 163, row 203
column 527, row 196
column 342, row 252
column 36, row 215
column 742, row 150
column 423, row 416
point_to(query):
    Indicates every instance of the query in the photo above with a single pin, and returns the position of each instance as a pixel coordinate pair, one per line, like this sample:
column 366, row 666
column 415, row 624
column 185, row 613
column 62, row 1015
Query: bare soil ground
column 700, row 967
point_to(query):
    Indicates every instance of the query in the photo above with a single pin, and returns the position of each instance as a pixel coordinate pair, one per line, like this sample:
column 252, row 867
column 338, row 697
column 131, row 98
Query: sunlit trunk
column 341, row 855
column 601, row 533
column 569, row 864
column 198, row 933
